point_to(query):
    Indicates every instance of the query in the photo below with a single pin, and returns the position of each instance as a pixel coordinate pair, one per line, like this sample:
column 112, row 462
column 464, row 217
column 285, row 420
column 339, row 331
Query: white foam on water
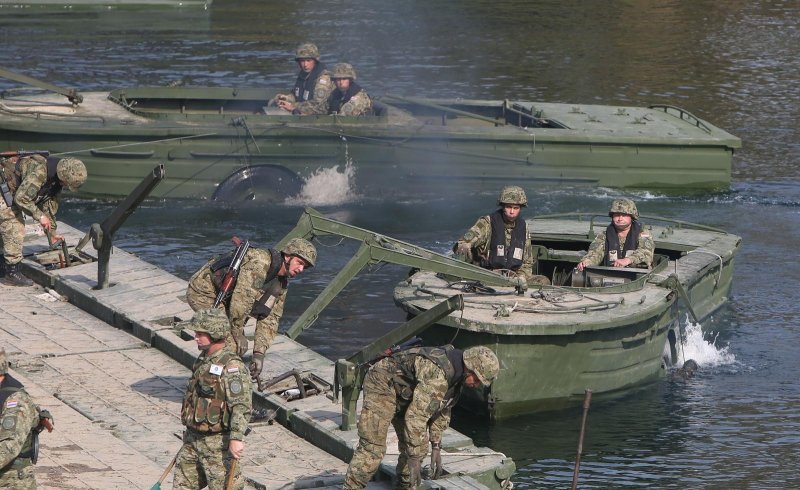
column 327, row 186
column 703, row 348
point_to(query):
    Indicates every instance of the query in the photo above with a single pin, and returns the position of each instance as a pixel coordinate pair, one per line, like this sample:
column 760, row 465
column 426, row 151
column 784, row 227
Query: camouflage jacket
column 33, row 175
column 219, row 395
column 356, row 103
column 641, row 257
column 247, row 291
column 318, row 103
column 19, row 416
column 479, row 238
column 427, row 401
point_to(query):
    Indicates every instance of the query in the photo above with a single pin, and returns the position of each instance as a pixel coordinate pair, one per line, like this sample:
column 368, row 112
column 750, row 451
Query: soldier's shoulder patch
column 233, row 369
column 323, row 80
column 236, row 386
column 9, row 422
column 215, row 369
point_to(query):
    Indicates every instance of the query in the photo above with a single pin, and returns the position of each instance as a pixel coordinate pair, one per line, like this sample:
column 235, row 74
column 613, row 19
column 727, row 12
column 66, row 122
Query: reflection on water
column 735, row 63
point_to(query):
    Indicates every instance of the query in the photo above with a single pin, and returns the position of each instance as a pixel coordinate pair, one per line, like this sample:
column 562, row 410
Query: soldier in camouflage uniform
column 260, row 292
column 20, row 421
column 312, row 87
column 216, row 409
column 349, row 99
column 501, row 240
column 415, row 390
column 627, row 242
column 34, row 184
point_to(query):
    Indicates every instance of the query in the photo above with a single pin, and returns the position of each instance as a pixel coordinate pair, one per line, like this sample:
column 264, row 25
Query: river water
column 735, row 63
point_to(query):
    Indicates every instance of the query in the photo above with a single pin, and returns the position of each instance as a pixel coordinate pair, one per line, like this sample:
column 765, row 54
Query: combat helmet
column 72, row 171
column 305, row 51
column 512, row 194
column 3, row 361
column 301, row 248
column 213, row 321
column 483, row 362
column 624, row 206
column 343, row 70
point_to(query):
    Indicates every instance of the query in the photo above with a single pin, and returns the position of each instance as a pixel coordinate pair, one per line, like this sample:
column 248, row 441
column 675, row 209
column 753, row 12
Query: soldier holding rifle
column 20, row 424
column 31, row 183
column 258, row 289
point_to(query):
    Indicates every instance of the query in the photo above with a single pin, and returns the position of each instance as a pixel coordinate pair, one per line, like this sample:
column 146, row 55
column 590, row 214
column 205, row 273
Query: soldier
column 260, row 292
column 500, row 241
column 349, row 99
column 627, row 242
column 34, row 185
column 415, row 389
column 312, row 87
column 216, row 409
column 20, row 424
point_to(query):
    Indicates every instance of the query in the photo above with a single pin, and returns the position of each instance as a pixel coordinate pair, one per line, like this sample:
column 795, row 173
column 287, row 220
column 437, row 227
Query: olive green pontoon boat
column 606, row 329
column 221, row 142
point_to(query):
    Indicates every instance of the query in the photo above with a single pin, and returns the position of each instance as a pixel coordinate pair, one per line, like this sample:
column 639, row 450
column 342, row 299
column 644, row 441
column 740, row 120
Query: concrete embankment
column 109, row 365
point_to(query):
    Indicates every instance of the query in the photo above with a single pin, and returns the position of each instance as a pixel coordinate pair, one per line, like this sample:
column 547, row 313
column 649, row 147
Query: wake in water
column 327, row 187
column 706, row 353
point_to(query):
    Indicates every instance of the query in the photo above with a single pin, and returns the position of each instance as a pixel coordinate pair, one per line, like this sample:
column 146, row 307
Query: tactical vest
column 500, row 255
column 447, row 358
column 9, row 387
column 204, row 408
column 338, row 99
column 306, row 82
column 613, row 251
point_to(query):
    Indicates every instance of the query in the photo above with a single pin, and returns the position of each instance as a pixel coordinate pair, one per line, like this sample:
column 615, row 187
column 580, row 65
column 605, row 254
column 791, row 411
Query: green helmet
column 306, row 50
column 3, row 361
column 343, row 70
column 482, row 361
column 72, row 171
column 624, row 206
column 213, row 321
column 301, row 248
column 512, row 194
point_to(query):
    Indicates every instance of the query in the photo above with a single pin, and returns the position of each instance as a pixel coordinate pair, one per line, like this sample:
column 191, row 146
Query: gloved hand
column 241, row 345
column 46, row 420
column 415, row 467
column 256, row 365
column 436, row 460
column 463, row 250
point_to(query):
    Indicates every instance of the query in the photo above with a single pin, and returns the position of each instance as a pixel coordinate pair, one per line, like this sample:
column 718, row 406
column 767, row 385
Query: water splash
column 706, row 353
column 327, row 186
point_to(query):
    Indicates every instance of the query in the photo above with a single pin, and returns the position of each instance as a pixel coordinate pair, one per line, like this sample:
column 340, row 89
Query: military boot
column 14, row 277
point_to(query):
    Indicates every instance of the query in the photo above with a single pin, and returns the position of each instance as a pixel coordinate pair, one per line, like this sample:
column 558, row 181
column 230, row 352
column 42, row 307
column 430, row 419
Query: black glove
column 436, row 460
column 256, row 365
column 415, row 467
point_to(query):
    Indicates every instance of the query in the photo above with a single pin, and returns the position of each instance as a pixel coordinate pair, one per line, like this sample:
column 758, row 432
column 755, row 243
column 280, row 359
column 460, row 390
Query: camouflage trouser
column 380, row 408
column 201, row 295
column 12, row 232
column 18, row 476
column 204, row 460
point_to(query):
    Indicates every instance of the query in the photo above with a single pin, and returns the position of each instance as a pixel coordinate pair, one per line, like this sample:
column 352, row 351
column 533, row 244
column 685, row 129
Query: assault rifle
column 23, row 153
column 228, row 282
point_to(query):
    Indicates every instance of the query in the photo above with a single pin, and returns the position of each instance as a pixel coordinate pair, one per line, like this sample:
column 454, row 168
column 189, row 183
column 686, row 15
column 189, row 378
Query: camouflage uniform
column 417, row 408
column 354, row 101
column 642, row 256
column 317, row 101
column 216, row 410
column 19, row 417
column 202, row 293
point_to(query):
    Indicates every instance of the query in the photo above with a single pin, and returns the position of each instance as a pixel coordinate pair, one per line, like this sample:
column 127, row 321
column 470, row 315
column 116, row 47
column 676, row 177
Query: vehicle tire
column 260, row 184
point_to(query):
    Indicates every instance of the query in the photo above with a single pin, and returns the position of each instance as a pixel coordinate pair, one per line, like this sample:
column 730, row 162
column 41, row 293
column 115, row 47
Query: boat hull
column 202, row 148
